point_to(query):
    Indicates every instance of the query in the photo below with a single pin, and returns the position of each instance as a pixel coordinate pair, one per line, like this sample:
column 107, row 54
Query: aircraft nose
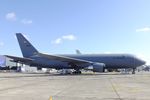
column 140, row 62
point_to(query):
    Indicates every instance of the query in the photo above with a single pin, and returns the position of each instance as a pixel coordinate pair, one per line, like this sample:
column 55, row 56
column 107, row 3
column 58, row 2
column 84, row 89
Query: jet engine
column 98, row 67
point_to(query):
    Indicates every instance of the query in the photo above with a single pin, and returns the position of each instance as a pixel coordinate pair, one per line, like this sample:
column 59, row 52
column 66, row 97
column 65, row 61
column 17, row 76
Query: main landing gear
column 77, row 72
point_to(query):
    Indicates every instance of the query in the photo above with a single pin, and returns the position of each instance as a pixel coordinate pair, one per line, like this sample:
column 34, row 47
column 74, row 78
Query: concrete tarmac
column 104, row 86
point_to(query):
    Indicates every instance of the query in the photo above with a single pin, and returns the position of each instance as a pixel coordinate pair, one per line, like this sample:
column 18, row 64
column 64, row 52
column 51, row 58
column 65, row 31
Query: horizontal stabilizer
column 20, row 59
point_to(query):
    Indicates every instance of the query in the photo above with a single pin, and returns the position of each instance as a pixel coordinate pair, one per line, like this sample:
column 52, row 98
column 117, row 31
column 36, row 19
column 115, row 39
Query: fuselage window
column 121, row 57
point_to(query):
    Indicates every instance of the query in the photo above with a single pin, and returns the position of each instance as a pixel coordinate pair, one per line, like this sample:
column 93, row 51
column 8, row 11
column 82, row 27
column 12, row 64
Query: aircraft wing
column 19, row 59
column 65, row 59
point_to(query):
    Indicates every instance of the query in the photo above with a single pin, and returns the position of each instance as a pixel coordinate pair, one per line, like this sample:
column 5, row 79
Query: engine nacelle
column 98, row 67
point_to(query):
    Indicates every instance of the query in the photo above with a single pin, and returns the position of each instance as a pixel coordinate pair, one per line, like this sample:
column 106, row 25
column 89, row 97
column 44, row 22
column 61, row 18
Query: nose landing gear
column 133, row 71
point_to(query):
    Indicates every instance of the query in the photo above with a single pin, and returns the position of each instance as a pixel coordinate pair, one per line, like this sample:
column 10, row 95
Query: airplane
column 99, row 62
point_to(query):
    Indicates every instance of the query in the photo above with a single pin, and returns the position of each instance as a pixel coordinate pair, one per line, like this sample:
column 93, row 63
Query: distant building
column 5, row 62
column 2, row 61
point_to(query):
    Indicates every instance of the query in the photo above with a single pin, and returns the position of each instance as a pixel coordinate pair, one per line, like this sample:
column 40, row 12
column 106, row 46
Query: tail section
column 26, row 47
column 78, row 51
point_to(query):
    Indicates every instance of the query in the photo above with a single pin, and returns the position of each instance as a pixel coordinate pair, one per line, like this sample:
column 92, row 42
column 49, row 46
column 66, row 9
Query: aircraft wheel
column 133, row 72
column 77, row 72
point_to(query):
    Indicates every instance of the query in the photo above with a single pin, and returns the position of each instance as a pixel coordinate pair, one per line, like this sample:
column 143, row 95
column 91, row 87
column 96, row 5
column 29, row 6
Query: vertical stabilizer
column 78, row 51
column 26, row 47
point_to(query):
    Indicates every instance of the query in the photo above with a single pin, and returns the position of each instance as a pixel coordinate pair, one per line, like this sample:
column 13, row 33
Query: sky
column 62, row 26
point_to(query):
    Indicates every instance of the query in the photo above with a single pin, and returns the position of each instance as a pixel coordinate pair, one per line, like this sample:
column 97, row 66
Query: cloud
column 61, row 39
column 11, row 16
column 69, row 37
column 145, row 29
column 1, row 44
column 57, row 41
column 25, row 21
